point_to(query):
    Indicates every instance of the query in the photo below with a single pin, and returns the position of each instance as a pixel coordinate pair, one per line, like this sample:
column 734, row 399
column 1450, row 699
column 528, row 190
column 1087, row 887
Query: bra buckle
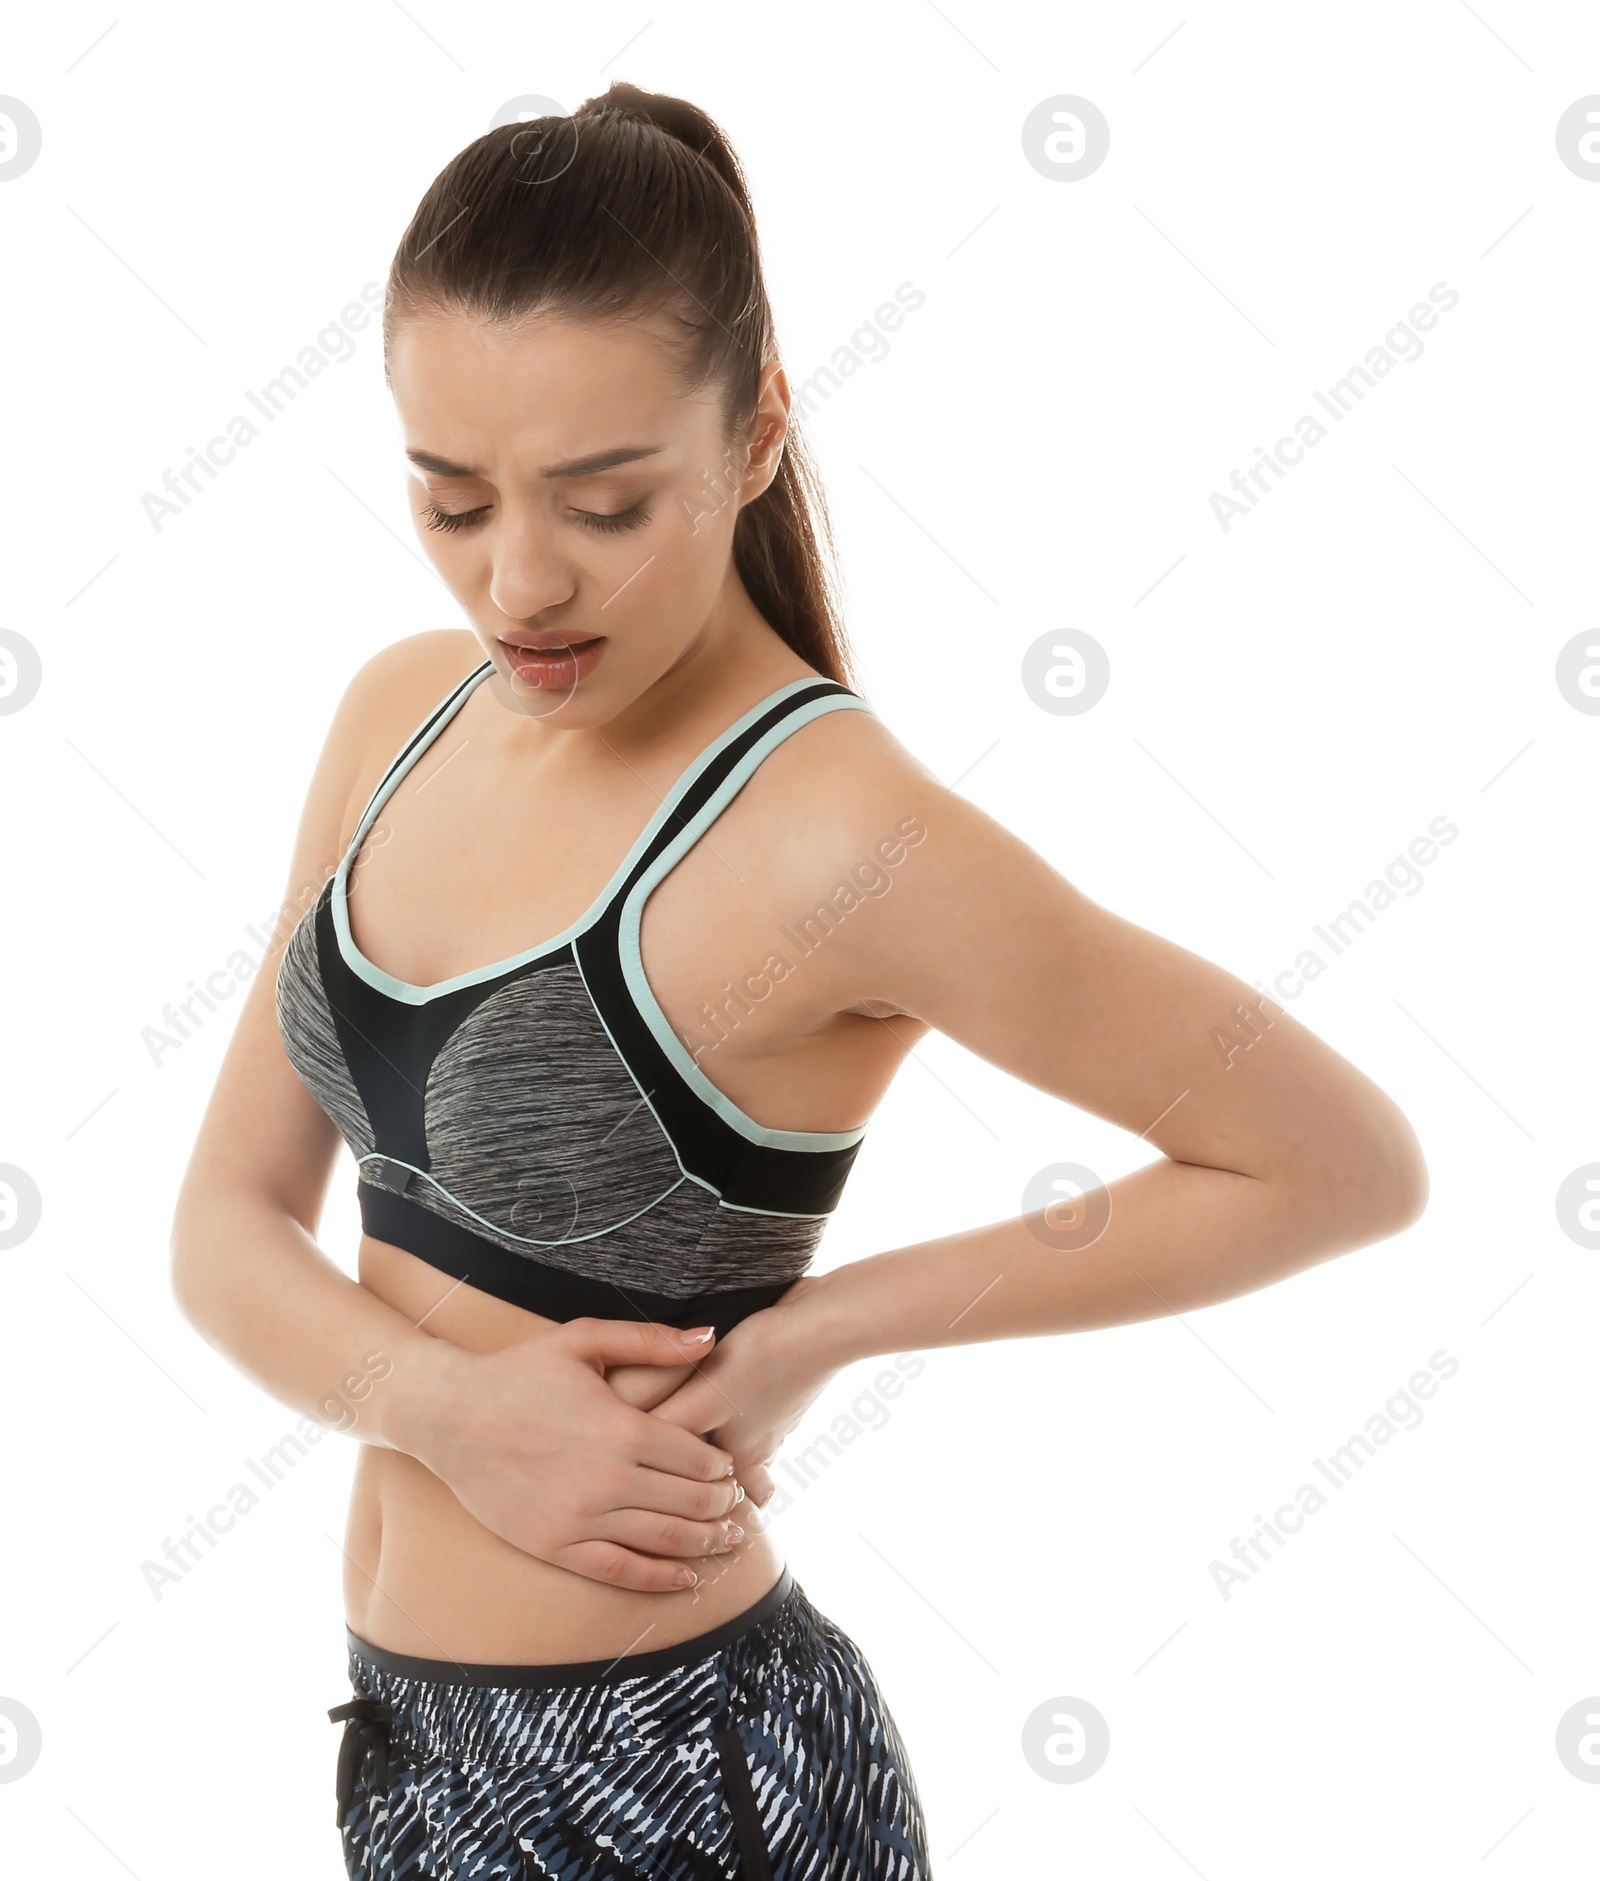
column 384, row 1173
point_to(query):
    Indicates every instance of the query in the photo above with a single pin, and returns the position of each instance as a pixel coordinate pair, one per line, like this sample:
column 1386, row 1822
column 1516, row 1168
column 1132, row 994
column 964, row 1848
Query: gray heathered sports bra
column 536, row 1127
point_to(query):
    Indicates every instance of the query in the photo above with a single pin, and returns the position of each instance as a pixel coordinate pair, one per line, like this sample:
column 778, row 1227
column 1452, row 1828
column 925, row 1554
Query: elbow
column 1364, row 1181
column 1393, row 1181
column 1415, row 1194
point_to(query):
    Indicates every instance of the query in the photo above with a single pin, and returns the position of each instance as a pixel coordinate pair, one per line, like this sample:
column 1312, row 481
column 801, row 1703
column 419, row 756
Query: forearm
column 1179, row 1236
column 256, row 1286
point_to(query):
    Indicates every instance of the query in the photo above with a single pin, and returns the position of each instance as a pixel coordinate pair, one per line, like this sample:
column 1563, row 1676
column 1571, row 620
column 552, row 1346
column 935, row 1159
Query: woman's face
column 579, row 511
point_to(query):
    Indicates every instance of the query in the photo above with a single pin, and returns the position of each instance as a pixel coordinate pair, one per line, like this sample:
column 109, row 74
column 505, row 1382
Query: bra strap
column 416, row 744
column 705, row 790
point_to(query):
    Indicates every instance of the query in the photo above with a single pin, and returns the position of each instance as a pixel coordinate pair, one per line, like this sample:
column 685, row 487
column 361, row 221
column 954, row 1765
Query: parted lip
column 540, row 642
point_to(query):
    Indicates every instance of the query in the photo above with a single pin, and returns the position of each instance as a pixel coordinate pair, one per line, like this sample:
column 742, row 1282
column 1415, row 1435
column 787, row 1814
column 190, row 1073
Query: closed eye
column 605, row 523
column 610, row 524
column 451, row 520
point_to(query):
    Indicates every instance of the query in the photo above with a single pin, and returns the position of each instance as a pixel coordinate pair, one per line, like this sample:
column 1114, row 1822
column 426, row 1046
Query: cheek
column 706, row 493
column 702, row 517
column 688, row 544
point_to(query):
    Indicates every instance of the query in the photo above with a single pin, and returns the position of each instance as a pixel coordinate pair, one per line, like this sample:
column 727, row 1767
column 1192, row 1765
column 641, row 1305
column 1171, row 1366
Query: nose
column 529, row 573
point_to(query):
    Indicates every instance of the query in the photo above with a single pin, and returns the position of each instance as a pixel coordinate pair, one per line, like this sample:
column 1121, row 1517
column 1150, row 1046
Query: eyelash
column 451, row 520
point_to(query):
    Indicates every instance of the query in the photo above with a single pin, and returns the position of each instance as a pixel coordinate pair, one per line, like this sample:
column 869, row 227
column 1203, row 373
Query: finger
column 758, row 1483
column 663, row 1493
column 697, row 1405
column 671, row 1537
column 605, row 1342
column 655, row 1444
column 616, row 1566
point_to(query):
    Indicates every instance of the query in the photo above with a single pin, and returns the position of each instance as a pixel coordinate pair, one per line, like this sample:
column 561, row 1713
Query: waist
column 532, row 1676
column 424, row 1577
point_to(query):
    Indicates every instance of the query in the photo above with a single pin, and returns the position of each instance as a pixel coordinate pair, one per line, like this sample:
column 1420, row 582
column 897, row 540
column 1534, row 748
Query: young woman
column 651, row 906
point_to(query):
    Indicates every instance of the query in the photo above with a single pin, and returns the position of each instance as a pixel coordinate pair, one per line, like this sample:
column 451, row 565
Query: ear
column 768, row 430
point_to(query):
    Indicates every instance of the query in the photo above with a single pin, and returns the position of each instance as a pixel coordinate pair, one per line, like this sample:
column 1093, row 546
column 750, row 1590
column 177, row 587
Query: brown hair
column 633, row 205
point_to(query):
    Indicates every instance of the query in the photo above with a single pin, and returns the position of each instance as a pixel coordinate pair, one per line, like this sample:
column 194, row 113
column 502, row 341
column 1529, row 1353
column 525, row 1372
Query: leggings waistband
column 545, row 1716
column 535, row 1677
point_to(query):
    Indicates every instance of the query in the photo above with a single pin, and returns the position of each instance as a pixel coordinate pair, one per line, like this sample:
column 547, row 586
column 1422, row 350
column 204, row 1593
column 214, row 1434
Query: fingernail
column 735, row 1532
column 686, row 1577
column 699, row 1336
column 739, row 1494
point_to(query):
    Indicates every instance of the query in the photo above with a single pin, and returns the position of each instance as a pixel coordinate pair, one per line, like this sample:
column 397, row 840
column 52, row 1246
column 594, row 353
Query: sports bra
column 536, row 1127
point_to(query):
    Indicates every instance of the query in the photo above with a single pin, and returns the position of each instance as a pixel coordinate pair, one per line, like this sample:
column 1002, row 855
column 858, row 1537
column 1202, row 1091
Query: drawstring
column 755, row 1864
column 366, row 1736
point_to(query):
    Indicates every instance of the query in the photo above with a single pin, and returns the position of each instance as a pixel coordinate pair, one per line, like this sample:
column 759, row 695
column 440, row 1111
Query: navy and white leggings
column 761, row 1749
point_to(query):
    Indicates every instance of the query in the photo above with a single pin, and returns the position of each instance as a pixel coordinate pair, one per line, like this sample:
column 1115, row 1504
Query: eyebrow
column 575, row 467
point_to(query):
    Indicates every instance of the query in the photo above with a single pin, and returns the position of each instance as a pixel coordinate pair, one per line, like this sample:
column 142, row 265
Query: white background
column 1292, row 702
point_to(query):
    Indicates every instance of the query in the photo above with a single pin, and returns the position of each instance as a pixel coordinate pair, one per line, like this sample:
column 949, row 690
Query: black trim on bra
column 390, row 1045
column 711, row 779
column 752, row 1175
column 536, row 1285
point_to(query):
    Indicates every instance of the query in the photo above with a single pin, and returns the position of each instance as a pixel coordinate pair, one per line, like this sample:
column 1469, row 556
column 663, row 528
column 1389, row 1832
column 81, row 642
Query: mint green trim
column 454, row 701
column 403, row 991
column 644, row 1095
column 633, row 965
column 780, row 1214
column 527, row 1240
column 710, row 1188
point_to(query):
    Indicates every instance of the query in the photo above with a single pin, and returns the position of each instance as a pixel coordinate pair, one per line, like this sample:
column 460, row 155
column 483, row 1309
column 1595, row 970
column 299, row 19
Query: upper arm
column 263, row 1133
column 981, row 938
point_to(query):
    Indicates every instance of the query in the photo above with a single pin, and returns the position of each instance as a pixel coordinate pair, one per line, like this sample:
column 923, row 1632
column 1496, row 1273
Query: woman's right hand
column 542, row 1450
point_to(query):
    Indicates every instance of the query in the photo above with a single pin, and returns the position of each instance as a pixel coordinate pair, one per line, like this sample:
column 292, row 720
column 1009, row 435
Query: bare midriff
column 426, row 1578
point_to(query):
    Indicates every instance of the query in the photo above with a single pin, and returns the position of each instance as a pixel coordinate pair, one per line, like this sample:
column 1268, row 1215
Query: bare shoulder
column 850, row 778
column 849, row 819
column 844, row 785
column 836, row 817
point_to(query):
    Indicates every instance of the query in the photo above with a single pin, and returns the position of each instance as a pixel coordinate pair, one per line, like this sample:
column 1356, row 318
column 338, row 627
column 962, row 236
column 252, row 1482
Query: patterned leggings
column 759, row 1751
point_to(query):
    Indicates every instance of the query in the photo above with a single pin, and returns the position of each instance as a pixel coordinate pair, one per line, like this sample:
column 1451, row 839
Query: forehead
column 549, row 388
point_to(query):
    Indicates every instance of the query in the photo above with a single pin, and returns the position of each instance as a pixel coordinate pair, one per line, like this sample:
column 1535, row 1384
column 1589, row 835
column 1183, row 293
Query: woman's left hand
column 754, row 1388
